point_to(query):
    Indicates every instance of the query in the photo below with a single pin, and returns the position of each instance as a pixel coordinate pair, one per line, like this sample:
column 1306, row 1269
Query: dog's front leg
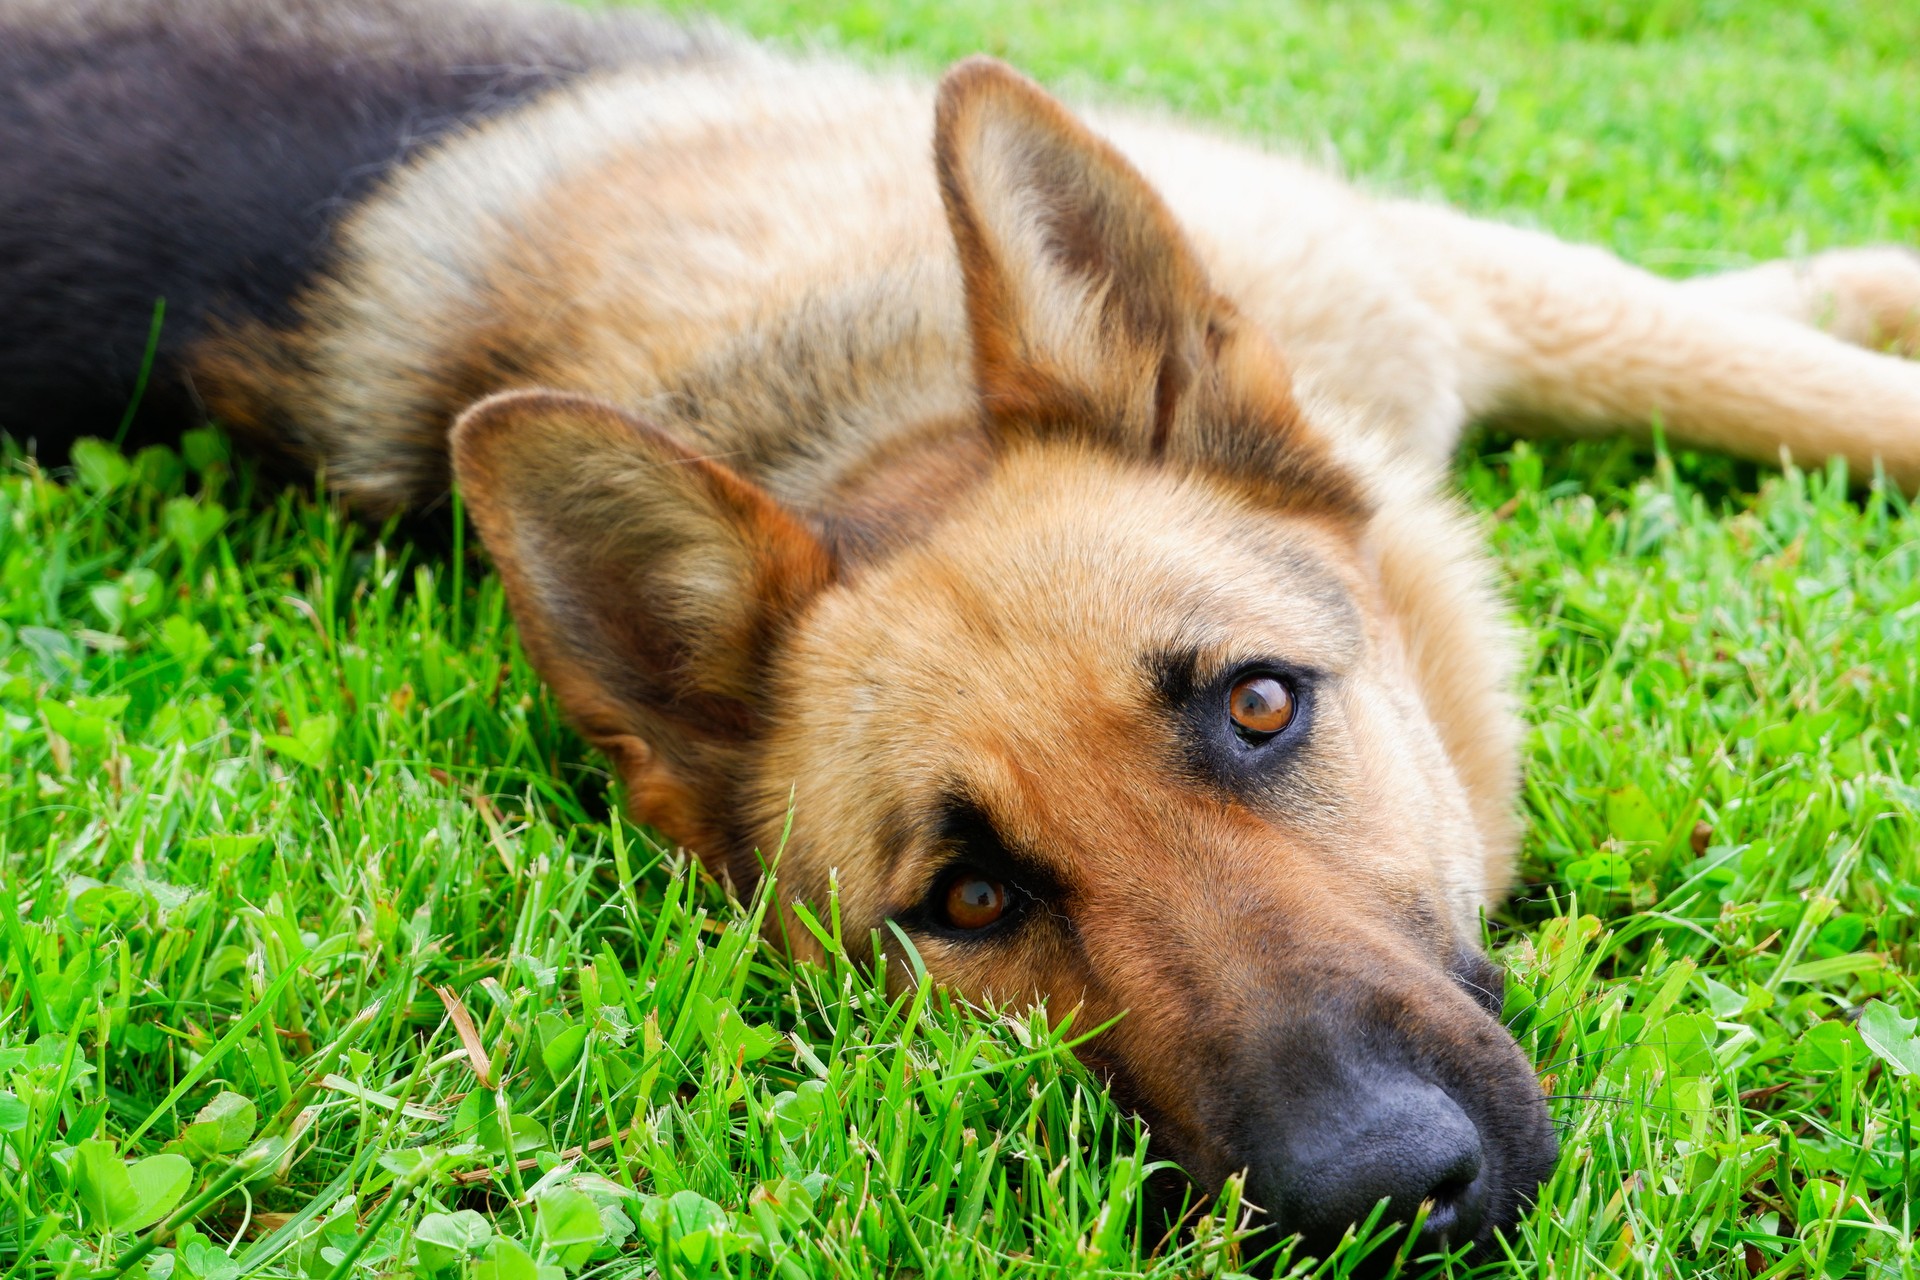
column 1559, row 336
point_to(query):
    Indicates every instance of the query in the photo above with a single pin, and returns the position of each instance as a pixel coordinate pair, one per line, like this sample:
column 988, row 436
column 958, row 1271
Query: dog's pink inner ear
column 650, row 586
column 1086, row 306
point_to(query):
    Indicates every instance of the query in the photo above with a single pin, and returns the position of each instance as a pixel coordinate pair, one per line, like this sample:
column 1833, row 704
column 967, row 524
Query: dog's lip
column 1464, row 1226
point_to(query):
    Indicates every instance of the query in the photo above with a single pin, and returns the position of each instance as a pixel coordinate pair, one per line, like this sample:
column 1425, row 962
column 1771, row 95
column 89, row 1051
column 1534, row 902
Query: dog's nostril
column 1405, row 1142
column 1456, row 1209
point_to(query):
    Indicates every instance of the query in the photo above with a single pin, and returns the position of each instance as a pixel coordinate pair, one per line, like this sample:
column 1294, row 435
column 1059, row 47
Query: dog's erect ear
column 1084, row 301
column 649, row 585
column 1089, row 312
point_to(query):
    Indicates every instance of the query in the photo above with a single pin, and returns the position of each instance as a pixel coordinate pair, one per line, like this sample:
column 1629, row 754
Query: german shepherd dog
column 1051, row 508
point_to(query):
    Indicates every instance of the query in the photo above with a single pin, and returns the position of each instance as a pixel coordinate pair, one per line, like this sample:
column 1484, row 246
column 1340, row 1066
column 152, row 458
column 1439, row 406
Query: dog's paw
column 1870, row 297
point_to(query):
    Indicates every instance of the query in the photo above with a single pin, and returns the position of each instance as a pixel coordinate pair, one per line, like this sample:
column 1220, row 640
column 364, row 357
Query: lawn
column 312, row 907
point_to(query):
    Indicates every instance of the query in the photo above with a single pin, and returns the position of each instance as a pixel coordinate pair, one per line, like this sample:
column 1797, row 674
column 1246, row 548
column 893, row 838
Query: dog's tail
column 170, row 164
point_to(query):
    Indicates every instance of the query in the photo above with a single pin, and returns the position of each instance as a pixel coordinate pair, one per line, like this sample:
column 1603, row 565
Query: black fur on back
column 200, row 153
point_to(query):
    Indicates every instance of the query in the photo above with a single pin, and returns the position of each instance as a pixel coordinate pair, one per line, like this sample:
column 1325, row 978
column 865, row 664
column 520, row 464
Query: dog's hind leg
column 1869, row 297
column 1555, row 336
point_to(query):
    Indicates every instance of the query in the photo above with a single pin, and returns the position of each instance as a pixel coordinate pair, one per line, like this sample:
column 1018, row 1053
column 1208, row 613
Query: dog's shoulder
column 196, row 154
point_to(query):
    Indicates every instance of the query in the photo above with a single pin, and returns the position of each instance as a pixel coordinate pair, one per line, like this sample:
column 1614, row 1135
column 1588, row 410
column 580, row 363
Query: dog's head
column 1162, row 711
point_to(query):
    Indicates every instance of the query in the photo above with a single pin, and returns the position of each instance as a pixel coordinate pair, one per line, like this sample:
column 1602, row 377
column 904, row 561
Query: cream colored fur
column 649, row 236
column 694, row 207
column 918, row 466
column 1413, row 318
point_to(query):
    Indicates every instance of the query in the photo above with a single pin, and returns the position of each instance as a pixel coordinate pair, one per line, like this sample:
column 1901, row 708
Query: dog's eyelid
column 964, row 835
column 1184, row 673
column 1294, row 672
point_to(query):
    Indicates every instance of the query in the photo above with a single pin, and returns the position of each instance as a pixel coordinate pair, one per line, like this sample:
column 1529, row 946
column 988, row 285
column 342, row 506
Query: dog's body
column 976, row 556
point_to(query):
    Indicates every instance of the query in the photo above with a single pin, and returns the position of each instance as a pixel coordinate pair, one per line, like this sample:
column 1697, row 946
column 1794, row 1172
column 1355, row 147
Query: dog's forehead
column 1065, row 575
column 1015, row 664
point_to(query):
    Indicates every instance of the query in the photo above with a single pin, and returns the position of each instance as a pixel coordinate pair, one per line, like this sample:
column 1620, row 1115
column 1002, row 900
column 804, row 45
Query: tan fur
column 1137, row 487
column 695, row 569
column 887, row 480
column 624, row 235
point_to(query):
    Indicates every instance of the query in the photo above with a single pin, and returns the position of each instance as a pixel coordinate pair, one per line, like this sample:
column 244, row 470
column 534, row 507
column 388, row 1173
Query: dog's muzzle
column 1417, row 1098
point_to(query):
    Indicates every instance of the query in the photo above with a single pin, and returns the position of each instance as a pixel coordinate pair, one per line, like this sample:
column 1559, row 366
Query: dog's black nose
column 1402, row 1140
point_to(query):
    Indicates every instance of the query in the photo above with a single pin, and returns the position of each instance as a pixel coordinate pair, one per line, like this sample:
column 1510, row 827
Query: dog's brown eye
column 974, row 902
column 1261, row 705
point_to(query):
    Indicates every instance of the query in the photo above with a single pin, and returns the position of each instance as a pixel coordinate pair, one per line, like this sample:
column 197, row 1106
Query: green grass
column 270, row 781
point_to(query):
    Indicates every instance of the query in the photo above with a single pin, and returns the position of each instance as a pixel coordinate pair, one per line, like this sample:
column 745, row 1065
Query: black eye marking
column 1175, row 674
column 1238, row 725
column 985, row 888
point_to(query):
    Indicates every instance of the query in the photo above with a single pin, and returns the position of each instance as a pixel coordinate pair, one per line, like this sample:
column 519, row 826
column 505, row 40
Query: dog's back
column 197, row 152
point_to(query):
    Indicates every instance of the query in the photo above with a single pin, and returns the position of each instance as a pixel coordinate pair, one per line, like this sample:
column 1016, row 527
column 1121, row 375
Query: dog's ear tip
column 977, row 68
column 981, row 78
column 486, row 413
column 499, row 420
column 480, row 423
